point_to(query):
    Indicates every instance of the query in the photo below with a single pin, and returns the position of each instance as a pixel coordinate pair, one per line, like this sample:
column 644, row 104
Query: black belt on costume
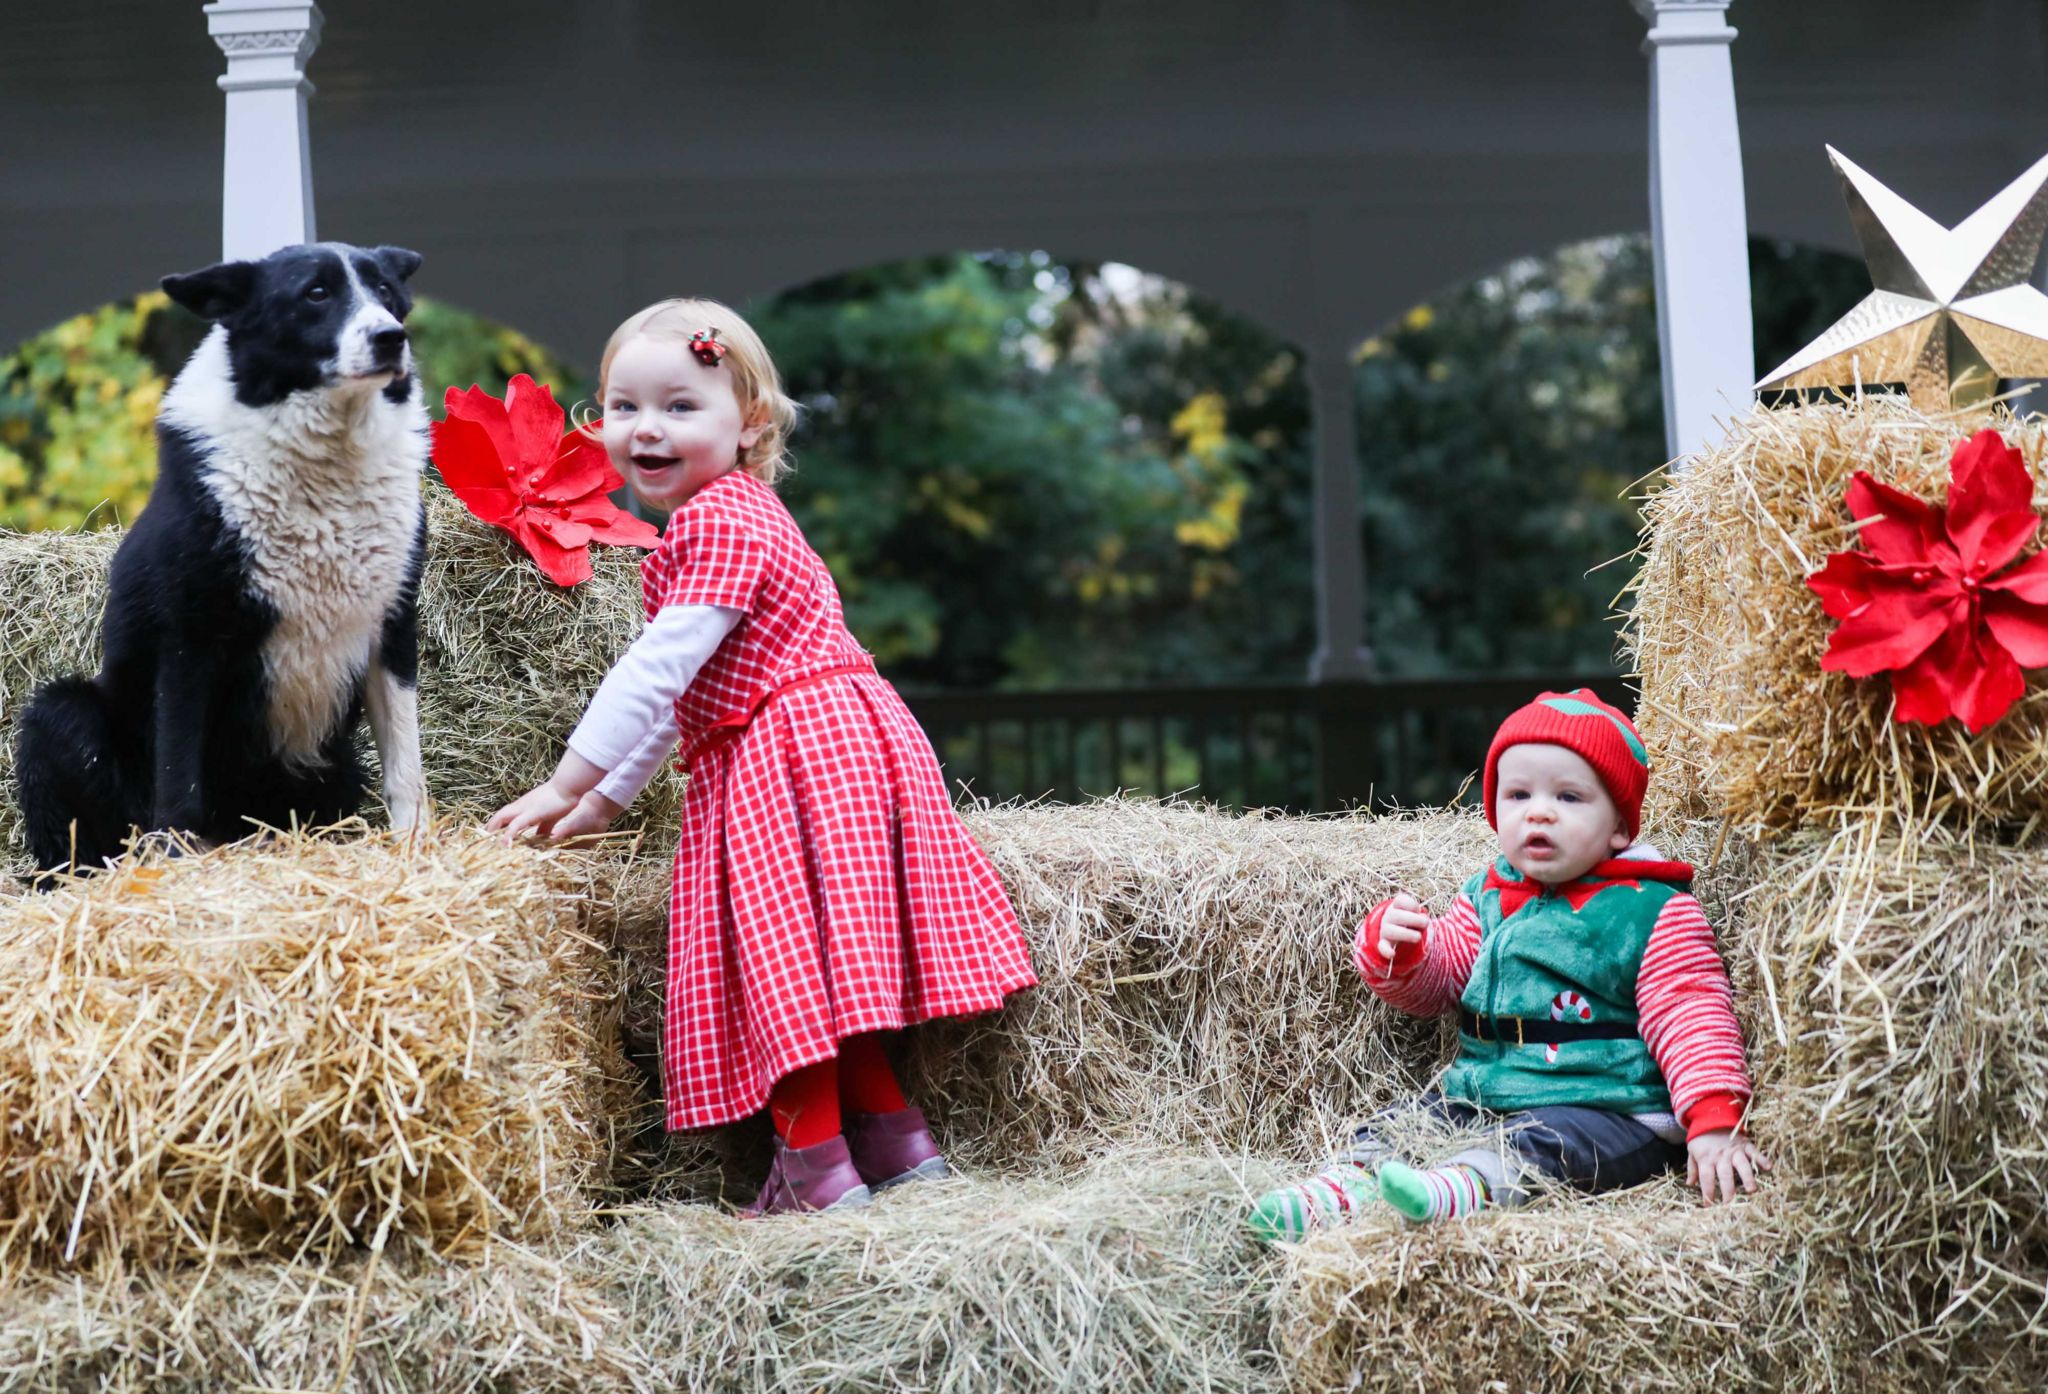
column 1529, row 1030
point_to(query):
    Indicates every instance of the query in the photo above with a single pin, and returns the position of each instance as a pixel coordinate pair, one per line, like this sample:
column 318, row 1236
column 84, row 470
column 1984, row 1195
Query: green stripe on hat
column 1572, row 706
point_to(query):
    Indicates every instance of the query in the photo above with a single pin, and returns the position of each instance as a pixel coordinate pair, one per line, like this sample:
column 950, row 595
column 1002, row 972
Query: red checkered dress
column 824, row 886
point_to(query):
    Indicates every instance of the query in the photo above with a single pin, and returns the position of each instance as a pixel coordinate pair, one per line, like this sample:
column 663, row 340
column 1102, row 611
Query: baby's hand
column 1405, row 922
column 1715, row 1159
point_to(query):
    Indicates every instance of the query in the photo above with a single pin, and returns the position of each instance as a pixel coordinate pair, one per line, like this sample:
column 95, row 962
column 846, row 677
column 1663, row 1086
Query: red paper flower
column 511, row 465
column 1928, row 602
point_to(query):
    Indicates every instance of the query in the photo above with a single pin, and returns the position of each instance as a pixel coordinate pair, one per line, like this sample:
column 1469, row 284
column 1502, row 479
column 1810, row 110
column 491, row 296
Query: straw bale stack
column 507, row 659
column 525, row 1321
column 1635, row 1291
column 298, row 1045
column 52, row 588
column 1195, row 987
column 1132, row 1276
column 1890, row 988
column 1896, row 988
column 1740, row 720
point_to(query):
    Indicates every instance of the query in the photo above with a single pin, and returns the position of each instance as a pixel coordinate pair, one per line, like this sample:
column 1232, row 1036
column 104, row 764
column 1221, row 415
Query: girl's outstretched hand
column 593, row 814
column 1715, row 1161
column 538, row 810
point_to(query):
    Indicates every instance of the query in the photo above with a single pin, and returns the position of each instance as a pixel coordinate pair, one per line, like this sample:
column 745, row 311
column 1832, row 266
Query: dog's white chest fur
column 323, row 490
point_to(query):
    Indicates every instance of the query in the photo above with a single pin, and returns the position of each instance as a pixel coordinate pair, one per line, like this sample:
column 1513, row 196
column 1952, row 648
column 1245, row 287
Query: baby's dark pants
column 1588, row 1149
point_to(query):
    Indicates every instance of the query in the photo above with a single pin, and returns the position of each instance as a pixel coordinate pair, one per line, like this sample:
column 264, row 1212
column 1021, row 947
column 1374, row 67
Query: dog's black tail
column 74, row 791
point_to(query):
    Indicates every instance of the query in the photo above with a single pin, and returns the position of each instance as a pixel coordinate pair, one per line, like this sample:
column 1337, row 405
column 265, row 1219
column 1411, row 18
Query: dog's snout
column 388, row 343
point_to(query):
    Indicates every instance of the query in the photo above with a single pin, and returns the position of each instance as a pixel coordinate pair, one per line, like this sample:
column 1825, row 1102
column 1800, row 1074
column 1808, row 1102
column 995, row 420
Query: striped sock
column 1332, row 1196
column 1441, row 1193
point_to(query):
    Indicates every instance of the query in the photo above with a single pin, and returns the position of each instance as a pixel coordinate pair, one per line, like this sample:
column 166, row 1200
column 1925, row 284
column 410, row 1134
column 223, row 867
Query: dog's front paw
column 408, row 811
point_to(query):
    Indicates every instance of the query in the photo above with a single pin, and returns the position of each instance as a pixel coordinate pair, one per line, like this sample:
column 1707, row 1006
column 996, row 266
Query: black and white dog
column 267, row 595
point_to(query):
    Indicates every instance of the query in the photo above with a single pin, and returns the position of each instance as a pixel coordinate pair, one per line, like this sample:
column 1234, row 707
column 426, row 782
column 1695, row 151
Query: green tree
column 1501, row 429
column 1022, row 478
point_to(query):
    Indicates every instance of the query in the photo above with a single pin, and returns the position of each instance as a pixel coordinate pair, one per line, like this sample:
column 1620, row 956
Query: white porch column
column 267, row 192
column 1339, row 552
column 1697, row 220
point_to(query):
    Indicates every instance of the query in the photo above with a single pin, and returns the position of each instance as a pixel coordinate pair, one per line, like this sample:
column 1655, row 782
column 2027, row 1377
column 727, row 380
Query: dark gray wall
column 1319, row 164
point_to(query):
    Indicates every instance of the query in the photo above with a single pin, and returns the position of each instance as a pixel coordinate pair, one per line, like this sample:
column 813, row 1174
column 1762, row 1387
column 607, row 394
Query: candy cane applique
column 1566, row 1006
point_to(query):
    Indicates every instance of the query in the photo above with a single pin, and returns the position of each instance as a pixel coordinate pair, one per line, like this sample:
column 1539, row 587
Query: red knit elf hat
column 1599, row 734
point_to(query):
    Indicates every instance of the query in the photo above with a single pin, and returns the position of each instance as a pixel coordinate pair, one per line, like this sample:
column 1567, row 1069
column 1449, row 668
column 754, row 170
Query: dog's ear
column 216, row 292
column 398, row 262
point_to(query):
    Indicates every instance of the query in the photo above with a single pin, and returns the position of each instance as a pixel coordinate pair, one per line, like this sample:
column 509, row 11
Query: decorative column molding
column 1339, row 548
column 1698, row 223
column 267, row 186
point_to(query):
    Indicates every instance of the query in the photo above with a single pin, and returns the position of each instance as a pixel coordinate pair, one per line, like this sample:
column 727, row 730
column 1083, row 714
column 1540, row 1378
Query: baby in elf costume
column 1595, row 1021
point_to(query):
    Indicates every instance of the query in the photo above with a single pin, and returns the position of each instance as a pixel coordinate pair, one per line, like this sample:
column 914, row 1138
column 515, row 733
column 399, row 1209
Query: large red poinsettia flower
column 511, row 465
column 1929, row 602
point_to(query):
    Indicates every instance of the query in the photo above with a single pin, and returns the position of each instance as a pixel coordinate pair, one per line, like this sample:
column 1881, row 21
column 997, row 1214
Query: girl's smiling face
column 671, row 424
column 1555, row 818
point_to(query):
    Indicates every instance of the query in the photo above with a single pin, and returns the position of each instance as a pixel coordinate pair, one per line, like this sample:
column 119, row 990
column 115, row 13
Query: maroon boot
column 818, row 1177
column 892, row 1148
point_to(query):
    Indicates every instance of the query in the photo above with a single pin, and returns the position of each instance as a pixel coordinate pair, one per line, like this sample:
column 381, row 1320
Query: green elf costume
column 1596, row 1023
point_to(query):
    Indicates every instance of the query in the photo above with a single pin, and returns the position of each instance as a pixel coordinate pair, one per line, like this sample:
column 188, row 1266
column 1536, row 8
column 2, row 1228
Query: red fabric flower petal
column 2021, row 629
column 565, row 566
column 534, row 420
column 609, row 523
column 580, row 468
column 470, row 466
column 1906, row 531
column 1990, row 502
column 1984, row 689
column 1843, row 585
column 479, row 408
column 1920, row 689
column 1895, row 627
column 566, row 532
column 2026, row 583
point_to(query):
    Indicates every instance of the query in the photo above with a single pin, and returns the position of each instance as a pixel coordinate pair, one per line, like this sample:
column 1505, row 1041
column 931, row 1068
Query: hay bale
column 1196, row 987
column 507, row 659
column 1636, row 1291
column 298, row 1045
column 1195, row 981
column 521, row 1322
column 1134, row 1276
column 1894, row 985
column 1740, row 720
column 52, row 588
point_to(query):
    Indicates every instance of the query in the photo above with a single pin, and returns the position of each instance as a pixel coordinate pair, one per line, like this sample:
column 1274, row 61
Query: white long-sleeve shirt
column 630, row 726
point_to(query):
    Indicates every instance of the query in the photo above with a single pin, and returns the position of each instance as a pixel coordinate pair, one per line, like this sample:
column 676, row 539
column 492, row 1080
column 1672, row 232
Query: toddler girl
column 1595, row 1021
column 824, row 888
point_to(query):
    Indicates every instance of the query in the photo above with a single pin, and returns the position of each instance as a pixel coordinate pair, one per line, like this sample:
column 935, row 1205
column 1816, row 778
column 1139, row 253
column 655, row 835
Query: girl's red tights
column 806, row 1103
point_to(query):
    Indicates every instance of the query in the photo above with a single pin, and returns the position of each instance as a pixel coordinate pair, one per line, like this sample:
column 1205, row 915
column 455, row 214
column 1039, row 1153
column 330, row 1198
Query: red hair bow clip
column 704, row 343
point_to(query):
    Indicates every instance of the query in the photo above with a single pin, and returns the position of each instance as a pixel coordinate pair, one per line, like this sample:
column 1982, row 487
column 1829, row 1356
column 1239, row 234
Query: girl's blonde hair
column 755, row 383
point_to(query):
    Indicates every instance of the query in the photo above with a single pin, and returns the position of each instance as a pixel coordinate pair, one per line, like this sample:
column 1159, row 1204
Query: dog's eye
column 316, row 292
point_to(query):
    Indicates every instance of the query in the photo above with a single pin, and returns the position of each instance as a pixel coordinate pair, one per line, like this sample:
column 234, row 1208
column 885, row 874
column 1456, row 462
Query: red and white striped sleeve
column 1426, row 978
column 1686, row 1012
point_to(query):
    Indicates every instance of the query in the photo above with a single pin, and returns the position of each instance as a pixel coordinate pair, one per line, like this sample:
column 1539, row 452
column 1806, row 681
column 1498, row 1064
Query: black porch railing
column 1304, row 747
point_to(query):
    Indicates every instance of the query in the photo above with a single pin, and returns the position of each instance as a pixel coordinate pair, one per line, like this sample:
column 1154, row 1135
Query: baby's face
column 1555, row 818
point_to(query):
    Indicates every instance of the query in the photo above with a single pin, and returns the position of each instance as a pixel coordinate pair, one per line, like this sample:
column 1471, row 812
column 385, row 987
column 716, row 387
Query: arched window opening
column 1505, row 426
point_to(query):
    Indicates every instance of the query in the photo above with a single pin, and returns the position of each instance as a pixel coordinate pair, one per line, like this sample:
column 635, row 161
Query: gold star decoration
column 1953, row 310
